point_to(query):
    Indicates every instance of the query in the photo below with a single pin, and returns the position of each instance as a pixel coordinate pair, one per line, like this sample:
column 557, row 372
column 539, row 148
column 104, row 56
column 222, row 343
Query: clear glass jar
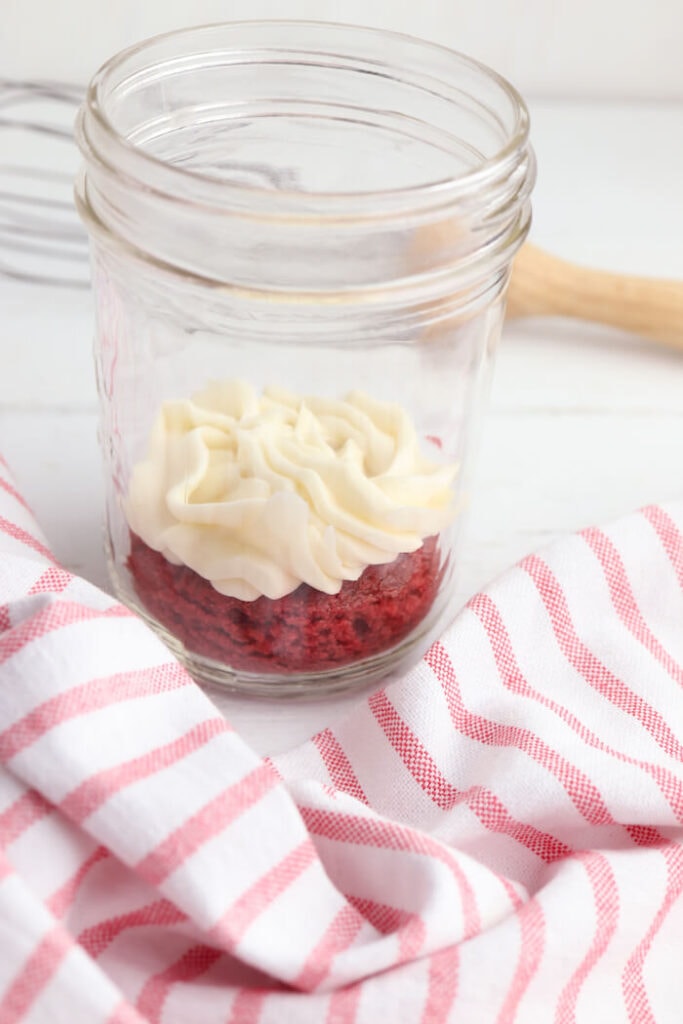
column 301, row 238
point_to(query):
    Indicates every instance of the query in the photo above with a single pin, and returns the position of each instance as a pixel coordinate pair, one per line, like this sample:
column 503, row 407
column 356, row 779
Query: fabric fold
column 496, row 836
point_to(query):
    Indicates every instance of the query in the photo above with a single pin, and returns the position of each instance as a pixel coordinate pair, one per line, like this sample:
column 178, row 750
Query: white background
column 614, row 49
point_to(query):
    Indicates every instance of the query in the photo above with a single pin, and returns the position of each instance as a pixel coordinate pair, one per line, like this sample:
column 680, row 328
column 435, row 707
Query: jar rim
column 96, row 127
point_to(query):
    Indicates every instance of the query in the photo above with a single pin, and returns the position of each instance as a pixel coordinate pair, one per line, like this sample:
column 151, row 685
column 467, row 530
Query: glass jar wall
column 301, row 237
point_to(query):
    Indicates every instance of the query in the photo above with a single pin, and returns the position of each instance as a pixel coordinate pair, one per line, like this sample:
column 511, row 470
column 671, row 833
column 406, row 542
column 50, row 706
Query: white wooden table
column 585, row 423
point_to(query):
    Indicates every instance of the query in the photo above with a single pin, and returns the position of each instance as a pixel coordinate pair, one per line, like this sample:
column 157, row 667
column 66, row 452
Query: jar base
column 302, row 685
column 306, row 643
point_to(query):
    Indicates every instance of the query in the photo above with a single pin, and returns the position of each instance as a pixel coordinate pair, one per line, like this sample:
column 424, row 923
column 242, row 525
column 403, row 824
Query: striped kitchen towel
column 494, row 838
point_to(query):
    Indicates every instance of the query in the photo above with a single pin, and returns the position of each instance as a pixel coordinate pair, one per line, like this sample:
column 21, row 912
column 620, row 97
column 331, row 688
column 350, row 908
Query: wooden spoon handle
column 543, row 285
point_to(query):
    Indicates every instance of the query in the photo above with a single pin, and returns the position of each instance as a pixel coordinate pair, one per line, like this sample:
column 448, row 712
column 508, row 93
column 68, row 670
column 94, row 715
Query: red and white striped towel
column 496, row 837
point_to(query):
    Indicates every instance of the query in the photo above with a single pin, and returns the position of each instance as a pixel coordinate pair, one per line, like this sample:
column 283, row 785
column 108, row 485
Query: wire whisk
column 41, row 238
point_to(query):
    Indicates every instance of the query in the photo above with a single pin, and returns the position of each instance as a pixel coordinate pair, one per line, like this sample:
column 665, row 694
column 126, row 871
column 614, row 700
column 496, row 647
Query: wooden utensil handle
column 544, row 285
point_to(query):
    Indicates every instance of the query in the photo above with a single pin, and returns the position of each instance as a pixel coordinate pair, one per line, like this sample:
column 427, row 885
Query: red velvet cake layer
column 305, row 631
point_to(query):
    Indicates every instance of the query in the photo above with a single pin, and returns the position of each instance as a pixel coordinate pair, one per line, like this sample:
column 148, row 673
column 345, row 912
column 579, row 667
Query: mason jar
column 301, row 238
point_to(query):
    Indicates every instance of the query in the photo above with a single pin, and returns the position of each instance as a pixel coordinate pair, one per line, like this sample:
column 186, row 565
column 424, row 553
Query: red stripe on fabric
column 62, row 899
column 443, row 985
column 606, row 901
column 385, row 919
column 411, row 939
column 582, row 659
column 512, row 894
column 21, row 815
column 415, row 757
column 86, row 698
column 490, row 810
column 35, row 975
column 470, row 911
column 338, row 765
column 532, row 944
column 14, row 493
column 259, row 896
column 380, row 833
column 340, row 934
column 624, row 602
column 343, row 1005
column 387, row 835
column 24, row 537
column 95, row 791
column 645, row 835
column 512, row 678
column 273, row 767
column 53, row 581
column 580, row 789
column 669, row 535
column 52, row 617
column 208, row 822
column 409, row 928
column 632, row 981
column 247, row 1007
column 192, row 964
column 124, row 1013
column 6, row 868
column 162, row 913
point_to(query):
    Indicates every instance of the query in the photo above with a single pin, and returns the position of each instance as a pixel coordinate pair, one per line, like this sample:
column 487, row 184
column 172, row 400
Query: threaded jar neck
column 295, row 161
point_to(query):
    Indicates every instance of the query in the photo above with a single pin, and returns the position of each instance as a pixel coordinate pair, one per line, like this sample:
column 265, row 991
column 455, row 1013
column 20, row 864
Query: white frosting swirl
column 261, row 493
